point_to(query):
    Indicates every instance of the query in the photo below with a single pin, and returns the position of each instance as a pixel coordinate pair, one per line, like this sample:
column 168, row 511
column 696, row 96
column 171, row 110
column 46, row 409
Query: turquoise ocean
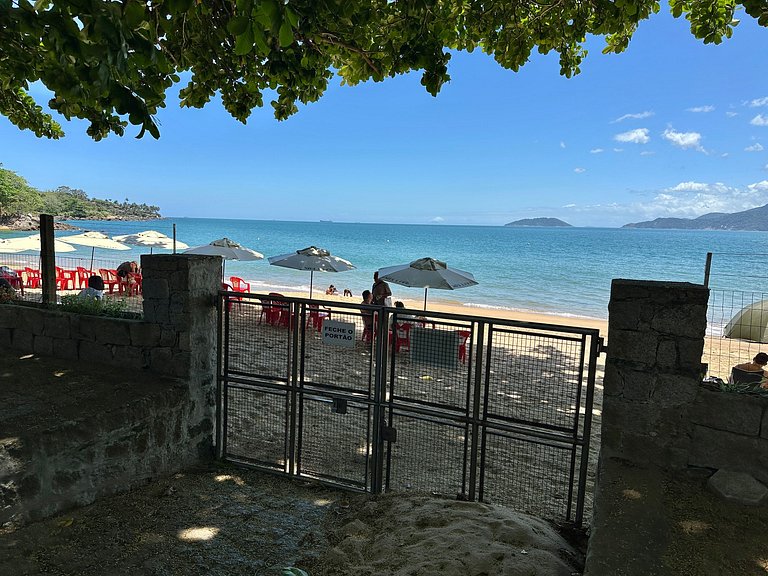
column 564, row 271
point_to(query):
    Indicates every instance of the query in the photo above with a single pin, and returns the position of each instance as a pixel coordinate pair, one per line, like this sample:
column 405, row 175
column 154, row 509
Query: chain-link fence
column 22, row 271
column 737, row 313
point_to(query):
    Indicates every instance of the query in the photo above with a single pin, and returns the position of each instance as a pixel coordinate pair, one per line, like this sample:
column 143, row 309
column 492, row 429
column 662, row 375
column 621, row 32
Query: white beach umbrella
column 94, row 240
column 227, row 249
column 427, row 273
column 152, row 239
column 26, row 243
column 750, row 323
column 313, row 259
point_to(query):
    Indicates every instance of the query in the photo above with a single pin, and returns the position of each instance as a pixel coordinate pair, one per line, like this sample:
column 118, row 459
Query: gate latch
column 339, row 406
column 389, row 434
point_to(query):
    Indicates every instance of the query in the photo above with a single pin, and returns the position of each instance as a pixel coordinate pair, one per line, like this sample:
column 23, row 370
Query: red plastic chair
column 282, row 312
column 463, row 337
column 111, row 279
column 65, row 279
column 317, row 316
column 82, row 277
column 240, row 285
column 402, row 333
column 132, row 284
column 32, row 277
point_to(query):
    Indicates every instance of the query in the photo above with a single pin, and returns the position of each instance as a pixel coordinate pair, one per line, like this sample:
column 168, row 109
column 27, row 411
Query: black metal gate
column 385, row 400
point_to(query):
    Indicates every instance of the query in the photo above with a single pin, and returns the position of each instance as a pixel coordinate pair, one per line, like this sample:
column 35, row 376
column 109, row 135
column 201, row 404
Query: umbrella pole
column 93, row 249
column 174, row 240
column 425, row 298
column 311, row 277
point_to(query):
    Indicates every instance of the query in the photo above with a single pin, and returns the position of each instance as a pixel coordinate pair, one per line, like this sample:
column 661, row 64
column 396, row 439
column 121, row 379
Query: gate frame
column 474, row 421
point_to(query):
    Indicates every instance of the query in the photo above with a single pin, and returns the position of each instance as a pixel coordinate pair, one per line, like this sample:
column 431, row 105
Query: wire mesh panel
column 737, row 329
column 257, row 426
column 534, row 377
column 334, row 353
column 257, row 348
column 334, row 439
column 430, row 362
column 528, row 474
column 429, row 455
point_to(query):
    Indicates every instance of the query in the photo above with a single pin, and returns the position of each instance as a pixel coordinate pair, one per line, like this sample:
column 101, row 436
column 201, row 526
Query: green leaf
column 244, row 43
column 134, row 14
column 286, row 34
column 292, row 17
column 237, row 25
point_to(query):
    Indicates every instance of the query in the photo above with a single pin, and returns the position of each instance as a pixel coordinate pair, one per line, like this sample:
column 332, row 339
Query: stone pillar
column 652, row 370
column 180, row 298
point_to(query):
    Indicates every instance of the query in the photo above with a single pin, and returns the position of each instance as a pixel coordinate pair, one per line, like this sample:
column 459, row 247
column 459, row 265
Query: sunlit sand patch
column 229, row 477
column 631, row 494
column 694, row 526
column 198, row 534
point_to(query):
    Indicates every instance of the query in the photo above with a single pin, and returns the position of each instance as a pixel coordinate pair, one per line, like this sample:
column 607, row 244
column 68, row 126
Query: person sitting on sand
column 751, row 372
column 348, row 292
column 331, row 291
column 95, row 290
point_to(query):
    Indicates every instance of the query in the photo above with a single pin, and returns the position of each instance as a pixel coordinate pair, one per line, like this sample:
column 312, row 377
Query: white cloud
column 562, row 144
column 731, row 114
column 637, row 136
column 579, row 170
column 618, row 149
column 683, row 200
column 570, row 206
column 701, row 109
column 756, row 147
column 647, row 153
column 724, row 155
column 759, row 120
column 596, row 151
column 684, row 139
column 689, row 187
column 757, row 102
column 638, row 116
column 438, row 219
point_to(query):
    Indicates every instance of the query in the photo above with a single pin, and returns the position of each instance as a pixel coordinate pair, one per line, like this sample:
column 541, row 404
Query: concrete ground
column 657, row 523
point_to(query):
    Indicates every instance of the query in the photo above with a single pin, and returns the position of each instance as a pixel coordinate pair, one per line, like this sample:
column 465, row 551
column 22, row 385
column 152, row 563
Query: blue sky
column 671, row 127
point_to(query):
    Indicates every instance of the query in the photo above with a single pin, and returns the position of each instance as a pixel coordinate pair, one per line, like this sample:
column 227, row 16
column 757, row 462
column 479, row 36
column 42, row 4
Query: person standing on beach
column 380, row 291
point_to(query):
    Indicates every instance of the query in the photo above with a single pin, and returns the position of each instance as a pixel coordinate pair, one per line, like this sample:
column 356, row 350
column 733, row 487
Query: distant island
column 753, row 219
column 538, row 222
column 20, row 205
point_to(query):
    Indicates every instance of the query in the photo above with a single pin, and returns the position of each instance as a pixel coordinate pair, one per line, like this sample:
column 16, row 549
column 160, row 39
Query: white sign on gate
column 338, row 333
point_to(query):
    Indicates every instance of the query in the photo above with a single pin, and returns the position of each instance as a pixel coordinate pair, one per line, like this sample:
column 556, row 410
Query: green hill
column 538, row 222
column 18, row 200
column 753, row 219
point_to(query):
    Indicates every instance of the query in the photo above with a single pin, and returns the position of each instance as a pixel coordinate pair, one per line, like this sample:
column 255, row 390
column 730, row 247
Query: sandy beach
column 437, row 304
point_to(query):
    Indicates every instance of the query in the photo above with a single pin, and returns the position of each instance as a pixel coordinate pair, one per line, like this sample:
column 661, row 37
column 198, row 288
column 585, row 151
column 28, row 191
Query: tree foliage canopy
column 111, row 62
column 18, row 197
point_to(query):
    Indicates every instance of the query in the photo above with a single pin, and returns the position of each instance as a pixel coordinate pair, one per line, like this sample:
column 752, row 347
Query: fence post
column 47, row 259
column 707, row 269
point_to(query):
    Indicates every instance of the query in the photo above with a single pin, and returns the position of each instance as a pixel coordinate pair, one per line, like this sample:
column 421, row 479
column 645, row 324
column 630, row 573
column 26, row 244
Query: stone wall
column 173, row 287
column 157, row 430
column 655, row 410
